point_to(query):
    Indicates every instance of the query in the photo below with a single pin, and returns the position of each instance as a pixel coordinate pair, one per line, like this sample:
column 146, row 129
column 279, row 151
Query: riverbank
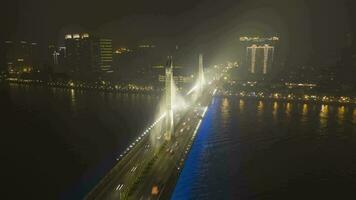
column 86, row 85
column 290, row 97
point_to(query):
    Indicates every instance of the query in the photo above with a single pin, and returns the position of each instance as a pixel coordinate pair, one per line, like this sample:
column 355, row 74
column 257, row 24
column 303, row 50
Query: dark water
column 248, row 149
column 56, row 143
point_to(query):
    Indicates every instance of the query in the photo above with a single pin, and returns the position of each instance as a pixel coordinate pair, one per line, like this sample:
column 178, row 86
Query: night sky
column 314, row 29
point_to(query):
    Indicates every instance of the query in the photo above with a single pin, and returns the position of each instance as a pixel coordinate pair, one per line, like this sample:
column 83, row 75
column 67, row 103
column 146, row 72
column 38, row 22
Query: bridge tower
column 169, row 99
column 201, row 78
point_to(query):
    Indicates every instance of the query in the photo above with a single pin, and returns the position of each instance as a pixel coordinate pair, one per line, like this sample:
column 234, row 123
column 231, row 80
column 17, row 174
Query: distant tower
column 201, row 79
column 55, row 57
column 169, row 99
column 259, row 54
column 260, row 58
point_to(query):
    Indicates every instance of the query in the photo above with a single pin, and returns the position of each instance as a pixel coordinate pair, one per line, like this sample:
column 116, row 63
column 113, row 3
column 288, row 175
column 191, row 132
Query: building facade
column 260, row 54
column 78, row 48
column 88, row 54
column 21, row 57
column 102, row 55
column 259, row 58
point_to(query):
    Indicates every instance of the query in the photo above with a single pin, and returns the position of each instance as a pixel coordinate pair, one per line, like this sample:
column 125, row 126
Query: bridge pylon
column 201, row 78
column 169, row 99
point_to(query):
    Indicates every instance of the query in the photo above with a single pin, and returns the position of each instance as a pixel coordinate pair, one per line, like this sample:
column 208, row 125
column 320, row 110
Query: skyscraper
column 88, row 54
column 259, row 58
column 102, row 55
column 21, row 56
column 78, row 49
column 260, row 54
column 34, row 56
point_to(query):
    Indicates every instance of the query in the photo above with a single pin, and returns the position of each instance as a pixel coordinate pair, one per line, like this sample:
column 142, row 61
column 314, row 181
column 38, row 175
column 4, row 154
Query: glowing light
column 324, row 115
column 260, row 106
column 85, row 35
column 193, row 89
column 288, row 107
column 258, row 39
column 341, row 111
column 275, row 108
column 241, row 104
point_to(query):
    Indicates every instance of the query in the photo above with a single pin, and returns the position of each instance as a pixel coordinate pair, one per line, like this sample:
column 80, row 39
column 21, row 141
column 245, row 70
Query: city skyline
column 144, row 24
column 185, row 99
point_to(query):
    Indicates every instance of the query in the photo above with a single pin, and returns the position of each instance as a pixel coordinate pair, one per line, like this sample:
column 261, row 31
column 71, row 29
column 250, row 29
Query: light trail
column 138, row 139
column 192, row 90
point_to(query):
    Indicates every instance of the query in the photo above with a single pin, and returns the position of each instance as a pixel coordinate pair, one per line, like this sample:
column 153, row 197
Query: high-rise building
column 9, row 56
column 87, row 54
column 78, row 50
column 260, row 58
column 62, row 51
column 260, row 54
column 21, row 56
column 51, row 57
column 34, row 55
column 102, row 55
column 56, row 59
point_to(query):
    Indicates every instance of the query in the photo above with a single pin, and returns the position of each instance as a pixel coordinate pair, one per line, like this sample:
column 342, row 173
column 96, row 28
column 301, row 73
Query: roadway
column 146, row 165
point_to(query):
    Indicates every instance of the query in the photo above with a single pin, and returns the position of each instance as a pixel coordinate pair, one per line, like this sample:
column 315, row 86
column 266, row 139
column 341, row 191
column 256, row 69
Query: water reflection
column 341, row 114
column 288, row 109
column 275, row 109
column 241, row 105
column 323, row 116
column 304, row 118
column 260, row 108
column 225, row 106
column 318, row 140
column 72, row 97
column 305, row 109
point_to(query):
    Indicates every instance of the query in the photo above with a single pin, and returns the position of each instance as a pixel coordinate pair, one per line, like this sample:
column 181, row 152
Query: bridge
column 150, row 167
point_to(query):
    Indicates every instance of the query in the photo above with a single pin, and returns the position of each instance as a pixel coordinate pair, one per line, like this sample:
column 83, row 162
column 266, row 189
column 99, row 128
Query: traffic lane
column 128, row 176
column 157, row 175
column 125, row 176
column 120, row 170
column 154, row 177
column 166, row 163
column 122, row 175
column 118, row 167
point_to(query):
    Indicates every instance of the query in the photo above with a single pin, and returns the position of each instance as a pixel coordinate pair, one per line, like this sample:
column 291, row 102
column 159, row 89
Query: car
column 155, row 190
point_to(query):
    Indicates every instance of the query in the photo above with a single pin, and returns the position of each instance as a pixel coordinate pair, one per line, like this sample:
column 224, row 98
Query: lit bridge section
column 150, row 166
column 142, row 136
column 147, row 171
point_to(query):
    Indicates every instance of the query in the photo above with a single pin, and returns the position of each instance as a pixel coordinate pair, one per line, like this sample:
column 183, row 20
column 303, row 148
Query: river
column 57, row 143
column 250, row 149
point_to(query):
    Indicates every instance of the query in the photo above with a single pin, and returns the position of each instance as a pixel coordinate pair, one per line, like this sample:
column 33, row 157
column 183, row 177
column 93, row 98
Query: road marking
column 119, row 187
